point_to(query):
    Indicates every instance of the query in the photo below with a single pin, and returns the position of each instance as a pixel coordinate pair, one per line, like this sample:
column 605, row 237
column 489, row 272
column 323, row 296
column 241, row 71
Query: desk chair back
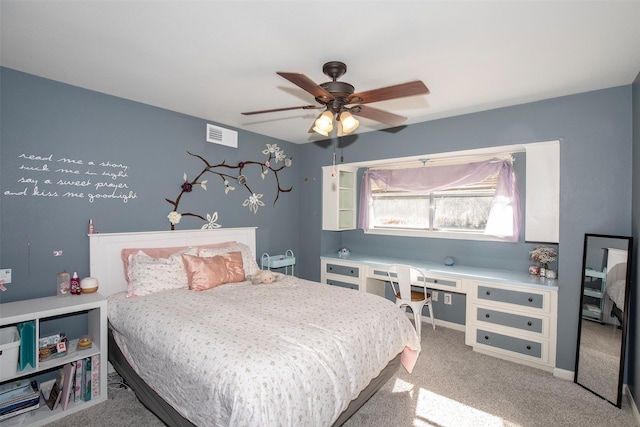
column 400, row 277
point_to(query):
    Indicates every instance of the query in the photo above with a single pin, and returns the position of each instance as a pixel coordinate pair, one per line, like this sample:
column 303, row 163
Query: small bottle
column 64, row 283
column 90, row 226
column 75, row 284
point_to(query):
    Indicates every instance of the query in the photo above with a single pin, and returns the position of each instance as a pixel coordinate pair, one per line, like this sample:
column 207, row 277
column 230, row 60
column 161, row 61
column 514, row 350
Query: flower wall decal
column 212, row 222
column 229, row 173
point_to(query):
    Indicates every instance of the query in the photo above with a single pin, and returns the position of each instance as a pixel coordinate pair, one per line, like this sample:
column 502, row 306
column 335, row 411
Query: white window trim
column 434, row 234
column 540, row 225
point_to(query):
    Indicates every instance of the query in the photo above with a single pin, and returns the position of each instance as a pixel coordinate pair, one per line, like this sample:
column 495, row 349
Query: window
column 466, row 198
column 459, row 209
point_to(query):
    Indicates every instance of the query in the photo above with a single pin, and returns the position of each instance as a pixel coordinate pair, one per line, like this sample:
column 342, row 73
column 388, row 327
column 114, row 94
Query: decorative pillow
column 208, row 272
column 163, row 253
column 149, row 275
column 248, row 260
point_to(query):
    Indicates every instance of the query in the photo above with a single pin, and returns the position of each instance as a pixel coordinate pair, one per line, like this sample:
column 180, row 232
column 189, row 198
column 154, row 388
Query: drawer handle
column 528, row 323
column 330, row 268
column 435, row 280
column 488, row 292
column 486, row 337
column 528, row 347
column 351, row 271
column 487, row 315
column 530, row 299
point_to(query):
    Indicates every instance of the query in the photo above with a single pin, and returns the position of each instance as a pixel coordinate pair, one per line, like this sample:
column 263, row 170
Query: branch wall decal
column 229, row 173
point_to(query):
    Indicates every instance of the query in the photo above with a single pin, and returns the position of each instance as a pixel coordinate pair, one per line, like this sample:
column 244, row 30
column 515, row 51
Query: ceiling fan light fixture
column 324, row 123
column 349, row 123
column 320, row 131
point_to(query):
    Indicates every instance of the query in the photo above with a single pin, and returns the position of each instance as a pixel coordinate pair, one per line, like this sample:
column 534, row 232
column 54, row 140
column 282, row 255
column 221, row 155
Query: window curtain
column 505, row 218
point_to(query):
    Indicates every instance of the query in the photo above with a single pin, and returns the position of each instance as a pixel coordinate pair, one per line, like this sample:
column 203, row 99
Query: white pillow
column 249, row 263
column 149, row 275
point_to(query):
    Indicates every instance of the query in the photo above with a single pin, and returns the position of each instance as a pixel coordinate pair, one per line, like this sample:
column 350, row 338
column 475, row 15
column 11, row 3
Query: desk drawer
column 431, row 282
column 525, row 299
column 343, row 284
column 525, row 323
column 442, row 282
column 513, row 344
column 343, row 270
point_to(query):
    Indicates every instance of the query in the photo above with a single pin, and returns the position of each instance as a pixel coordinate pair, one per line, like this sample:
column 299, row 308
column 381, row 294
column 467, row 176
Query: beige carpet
column 451, row 387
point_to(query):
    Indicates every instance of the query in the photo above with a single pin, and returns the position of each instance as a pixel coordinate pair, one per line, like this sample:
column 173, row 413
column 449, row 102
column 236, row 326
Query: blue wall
column 46, row 118
column 43, row 117
column 595, row 173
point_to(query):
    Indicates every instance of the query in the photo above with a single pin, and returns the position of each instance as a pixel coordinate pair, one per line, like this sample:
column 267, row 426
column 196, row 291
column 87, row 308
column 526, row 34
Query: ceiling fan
column 341, row 103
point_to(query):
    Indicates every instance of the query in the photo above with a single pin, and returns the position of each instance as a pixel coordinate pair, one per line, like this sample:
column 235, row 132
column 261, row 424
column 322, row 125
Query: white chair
column 400, row 278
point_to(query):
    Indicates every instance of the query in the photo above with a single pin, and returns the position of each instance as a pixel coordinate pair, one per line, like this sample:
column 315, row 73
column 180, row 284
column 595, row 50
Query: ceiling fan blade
column 273, row 110
column 390, row 92
column 307, row 84
column 378, row 115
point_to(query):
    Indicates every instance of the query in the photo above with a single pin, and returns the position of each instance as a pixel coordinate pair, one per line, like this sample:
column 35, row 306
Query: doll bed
column 339, row 333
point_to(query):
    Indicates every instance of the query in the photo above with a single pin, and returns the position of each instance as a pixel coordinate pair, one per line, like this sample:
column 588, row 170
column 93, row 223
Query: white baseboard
column 563, row 374
column 632, row 403
column 445, row 324
column 449, row 325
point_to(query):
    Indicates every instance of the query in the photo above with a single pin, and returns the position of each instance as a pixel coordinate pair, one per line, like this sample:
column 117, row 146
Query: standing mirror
column 602, row 330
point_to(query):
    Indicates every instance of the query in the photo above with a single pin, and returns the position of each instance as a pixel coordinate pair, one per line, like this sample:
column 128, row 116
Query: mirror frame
column 625, row 318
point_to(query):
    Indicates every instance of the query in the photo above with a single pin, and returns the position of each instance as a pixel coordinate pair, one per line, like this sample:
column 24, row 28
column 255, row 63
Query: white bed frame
column 105, row 262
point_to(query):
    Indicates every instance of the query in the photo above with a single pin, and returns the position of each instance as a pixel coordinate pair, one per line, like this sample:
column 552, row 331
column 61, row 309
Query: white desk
column 508, row 314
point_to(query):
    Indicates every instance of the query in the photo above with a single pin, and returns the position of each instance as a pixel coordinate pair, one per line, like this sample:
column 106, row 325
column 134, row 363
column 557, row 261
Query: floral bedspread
column 292, row 353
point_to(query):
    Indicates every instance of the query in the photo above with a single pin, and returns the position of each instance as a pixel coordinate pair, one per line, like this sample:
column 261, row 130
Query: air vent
column 222, row 136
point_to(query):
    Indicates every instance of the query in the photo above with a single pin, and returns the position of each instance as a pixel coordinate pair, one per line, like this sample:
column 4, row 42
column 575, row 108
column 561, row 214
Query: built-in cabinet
column 43, row 310
column 350, row 275
column 515, row 322
column 339, row 207
column 510, row 315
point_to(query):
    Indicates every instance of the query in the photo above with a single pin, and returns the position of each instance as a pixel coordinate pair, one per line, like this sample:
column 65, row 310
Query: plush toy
column 263, row 277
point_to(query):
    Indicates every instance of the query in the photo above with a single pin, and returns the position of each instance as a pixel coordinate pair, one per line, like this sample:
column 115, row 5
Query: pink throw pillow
column 208, row 272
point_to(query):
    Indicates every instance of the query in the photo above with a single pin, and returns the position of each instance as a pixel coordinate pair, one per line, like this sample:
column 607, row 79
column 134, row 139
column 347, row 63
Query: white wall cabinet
column 40, row 311
column 339, row 207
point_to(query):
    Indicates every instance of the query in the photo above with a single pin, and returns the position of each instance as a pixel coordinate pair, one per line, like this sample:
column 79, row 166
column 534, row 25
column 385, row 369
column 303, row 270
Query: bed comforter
column 616, row 291
column 292, row 353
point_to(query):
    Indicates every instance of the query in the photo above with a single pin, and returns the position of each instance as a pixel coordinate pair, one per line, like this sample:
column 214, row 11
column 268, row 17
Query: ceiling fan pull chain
column 333, row 171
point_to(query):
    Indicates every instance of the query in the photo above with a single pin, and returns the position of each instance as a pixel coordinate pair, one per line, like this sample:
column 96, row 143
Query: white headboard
column 105, row 248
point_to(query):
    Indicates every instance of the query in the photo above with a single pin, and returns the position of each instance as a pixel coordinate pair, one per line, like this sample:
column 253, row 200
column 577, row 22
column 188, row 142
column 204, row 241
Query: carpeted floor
column 451, row 386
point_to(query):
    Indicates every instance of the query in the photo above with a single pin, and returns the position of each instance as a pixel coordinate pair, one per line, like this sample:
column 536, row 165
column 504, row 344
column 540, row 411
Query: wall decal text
column 51, row 176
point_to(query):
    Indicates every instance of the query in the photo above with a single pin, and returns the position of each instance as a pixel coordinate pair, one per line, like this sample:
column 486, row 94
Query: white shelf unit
column 41, row 310
column 339, row 198
column 594, row 286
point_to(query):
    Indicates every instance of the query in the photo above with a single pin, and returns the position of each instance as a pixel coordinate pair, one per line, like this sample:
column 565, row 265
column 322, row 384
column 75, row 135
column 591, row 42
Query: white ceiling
column 216, row 59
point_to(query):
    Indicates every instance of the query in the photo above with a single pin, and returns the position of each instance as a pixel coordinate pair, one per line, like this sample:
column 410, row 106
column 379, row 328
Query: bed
column 291, row 353
column 615, row 289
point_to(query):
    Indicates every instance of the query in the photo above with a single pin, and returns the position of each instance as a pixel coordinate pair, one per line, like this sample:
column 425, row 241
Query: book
column 77, row 386
column 18, row 397
column 68, row 374
column 87, row 380
column 21, row 408
column 52, row 398
column 95, row 376
column 17, row 391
